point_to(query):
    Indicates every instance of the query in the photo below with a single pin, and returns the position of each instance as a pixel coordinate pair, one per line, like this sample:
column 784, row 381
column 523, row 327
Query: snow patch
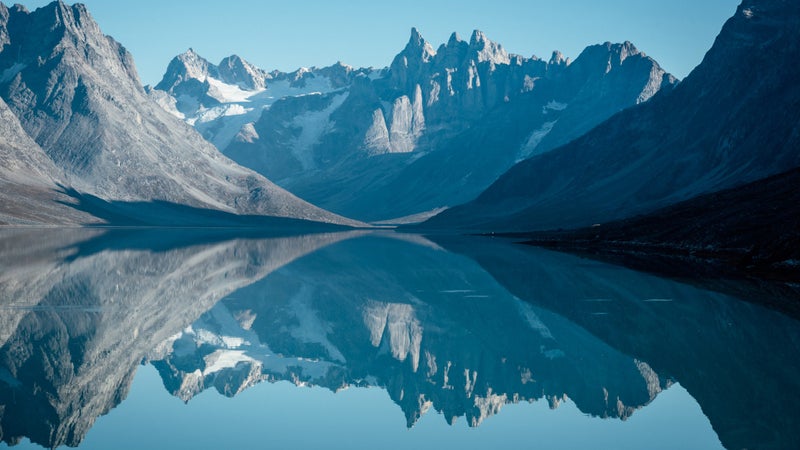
column 553, row 105
column 221, row 124
column 313, row 125
column 529, row 148
column 229, row 93
column 225, row 359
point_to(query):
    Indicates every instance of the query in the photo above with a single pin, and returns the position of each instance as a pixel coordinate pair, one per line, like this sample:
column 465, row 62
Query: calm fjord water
column 181, row 339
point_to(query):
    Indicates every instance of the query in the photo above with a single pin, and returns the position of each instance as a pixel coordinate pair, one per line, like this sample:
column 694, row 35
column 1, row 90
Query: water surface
column 180, row 339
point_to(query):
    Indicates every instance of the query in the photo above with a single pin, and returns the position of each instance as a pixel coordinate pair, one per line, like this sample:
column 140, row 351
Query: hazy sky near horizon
column 287, row 35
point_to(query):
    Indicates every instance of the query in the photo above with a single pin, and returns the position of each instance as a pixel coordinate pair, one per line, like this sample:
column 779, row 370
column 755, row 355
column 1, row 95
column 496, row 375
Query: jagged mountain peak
column 189, row 53
column 477, row 37
column 608, row 53
column 67, row 38
column 624, row 50
column 487, row 50
column 236, row 70
column 416, row 37
column 452, row 53
column 557, row 59
column 75, row 18
column 409, row 63
column 191, row 58
column 188, row 65
column 418, row 46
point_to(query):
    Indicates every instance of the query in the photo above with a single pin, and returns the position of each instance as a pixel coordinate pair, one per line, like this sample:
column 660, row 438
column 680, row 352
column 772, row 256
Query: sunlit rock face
column 29, row 181
column 75, row 92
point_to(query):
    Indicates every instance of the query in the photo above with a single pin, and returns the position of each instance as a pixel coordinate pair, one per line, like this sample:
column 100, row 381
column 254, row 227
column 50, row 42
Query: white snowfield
column 239, row 107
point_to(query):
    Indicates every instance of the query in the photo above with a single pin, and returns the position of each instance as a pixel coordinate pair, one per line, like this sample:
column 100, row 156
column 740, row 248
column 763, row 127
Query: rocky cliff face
column 29, row 181
column 451, row 119
column 75, row 91
column 734, row 119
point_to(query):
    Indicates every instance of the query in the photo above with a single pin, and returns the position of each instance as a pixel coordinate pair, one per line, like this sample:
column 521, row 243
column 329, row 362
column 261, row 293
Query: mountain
column 223, row 101
column 752, row 229
column 29, row 181
column 432, row 130
column 733, row 120
column 76, row 93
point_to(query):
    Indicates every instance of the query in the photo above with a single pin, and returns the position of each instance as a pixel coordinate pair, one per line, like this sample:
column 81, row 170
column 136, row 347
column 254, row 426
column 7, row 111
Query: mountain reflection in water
column 461, row 326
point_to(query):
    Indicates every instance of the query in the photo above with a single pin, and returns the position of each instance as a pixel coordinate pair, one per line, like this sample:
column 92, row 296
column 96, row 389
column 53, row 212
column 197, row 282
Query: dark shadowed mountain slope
column 734, row 119
column 75, row 91
column 752, row 229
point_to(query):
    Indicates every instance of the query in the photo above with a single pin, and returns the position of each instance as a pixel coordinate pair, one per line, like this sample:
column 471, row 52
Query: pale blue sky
column 288, row 34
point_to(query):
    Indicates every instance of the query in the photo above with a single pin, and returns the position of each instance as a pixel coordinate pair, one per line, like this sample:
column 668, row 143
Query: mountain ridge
column 76, row 93
column 354, row 147
column 708, row 134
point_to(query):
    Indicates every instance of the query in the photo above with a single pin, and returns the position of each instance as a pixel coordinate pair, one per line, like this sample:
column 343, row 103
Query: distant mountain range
column 432, row 130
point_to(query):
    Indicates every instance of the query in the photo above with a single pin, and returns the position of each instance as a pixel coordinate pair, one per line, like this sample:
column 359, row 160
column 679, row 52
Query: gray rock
column 30, row 192
column 75, row 91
